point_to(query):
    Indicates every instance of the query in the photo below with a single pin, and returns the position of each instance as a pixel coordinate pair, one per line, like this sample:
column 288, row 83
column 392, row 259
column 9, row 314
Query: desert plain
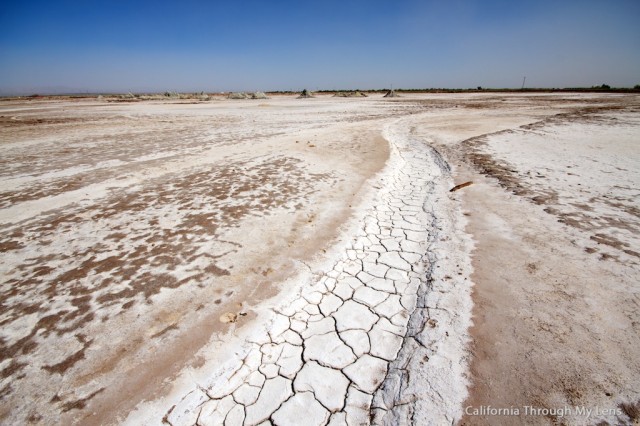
column 246, row 262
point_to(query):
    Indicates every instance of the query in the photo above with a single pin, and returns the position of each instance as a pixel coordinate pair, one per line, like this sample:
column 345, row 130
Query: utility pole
column 523, row 80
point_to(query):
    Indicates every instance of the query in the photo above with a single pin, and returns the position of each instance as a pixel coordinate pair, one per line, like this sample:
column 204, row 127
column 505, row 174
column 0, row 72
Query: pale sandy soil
column 554, row 215
column 128, row 229
column 568, row 288
column 326, row 223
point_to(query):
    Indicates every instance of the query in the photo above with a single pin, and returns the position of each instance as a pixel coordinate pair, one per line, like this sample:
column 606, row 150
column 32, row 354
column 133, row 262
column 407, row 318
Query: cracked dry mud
column 116, row 218
column 129, row 230
column 325, row 355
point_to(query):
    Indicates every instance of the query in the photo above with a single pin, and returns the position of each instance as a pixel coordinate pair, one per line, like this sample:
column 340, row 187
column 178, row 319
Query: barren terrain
column 253, row 261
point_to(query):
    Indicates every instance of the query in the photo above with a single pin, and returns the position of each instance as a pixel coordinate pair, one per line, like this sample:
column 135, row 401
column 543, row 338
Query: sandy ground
column 125, row 225
column 326, row 226
column 561, row 276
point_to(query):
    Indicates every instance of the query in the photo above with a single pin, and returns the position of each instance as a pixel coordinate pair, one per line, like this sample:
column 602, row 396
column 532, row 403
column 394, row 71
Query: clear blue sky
column 127, row 45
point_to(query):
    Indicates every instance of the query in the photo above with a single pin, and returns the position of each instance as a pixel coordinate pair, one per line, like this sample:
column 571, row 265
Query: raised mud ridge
column 343, row 351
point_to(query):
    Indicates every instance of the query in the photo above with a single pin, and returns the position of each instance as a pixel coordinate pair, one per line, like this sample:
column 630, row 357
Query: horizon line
column 35, row 93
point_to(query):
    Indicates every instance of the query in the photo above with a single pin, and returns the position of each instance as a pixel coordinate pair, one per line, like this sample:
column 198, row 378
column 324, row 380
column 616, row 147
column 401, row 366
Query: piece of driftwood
column 462, row 185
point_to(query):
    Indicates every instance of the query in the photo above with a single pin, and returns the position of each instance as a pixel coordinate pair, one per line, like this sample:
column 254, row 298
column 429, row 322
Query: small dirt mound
column 305, row 94
column 237, row 95
column 356, row 94
column 258, row 95
column 391, row 94
column 242, row 95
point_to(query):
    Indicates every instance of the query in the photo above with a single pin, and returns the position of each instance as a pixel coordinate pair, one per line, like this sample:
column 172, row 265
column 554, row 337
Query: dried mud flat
column 325, row 230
